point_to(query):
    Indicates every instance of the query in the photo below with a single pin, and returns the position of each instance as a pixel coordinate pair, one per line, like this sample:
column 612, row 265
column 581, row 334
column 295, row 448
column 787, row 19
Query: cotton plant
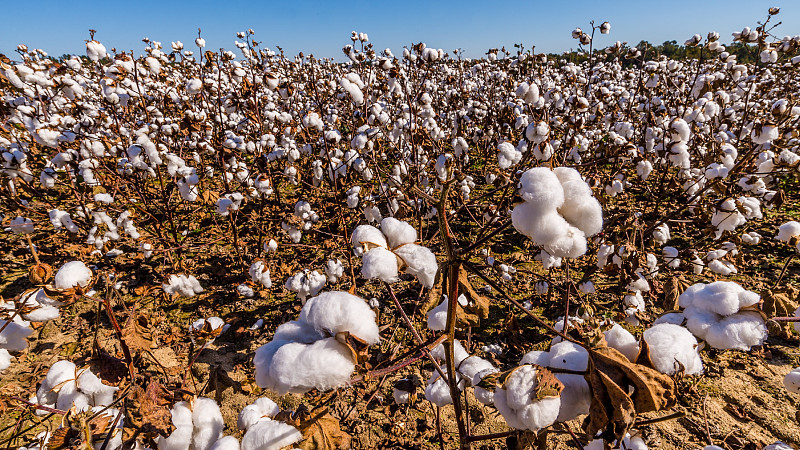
column 66, row 387
column 306, row 283
column 182, row 285
column 558, row 212
column 391, row 249
column 307, row 353
column 722, row 314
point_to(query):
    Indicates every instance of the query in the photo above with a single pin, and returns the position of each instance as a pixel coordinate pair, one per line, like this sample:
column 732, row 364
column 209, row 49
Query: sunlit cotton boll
column 673, row 348
column 518, row 404
column 71, row 274
column 184, row 285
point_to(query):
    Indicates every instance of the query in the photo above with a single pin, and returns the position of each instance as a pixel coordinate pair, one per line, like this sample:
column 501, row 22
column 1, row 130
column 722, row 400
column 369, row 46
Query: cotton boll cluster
column 261, row 432
column 305, row 283
column 13, row 337
column 73, row 274
column 204, row 331
column 259, row 273
column 391, row 249
column 673, row 348
column 470, row 370
column 559, row 211
column 575, row 397
column 718, row 314
column 66, row 386
column 334, row 269
column 628, row 443
column 183, row 285
column 306, row 353
column 39, row 306
column 198, row 425
column 518, row 403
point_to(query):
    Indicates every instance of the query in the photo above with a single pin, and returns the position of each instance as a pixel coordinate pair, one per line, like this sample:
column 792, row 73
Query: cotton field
column 403, row 248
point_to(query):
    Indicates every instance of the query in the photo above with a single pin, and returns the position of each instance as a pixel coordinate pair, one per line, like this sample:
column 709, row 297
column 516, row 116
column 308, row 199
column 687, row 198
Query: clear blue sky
column 323, row 27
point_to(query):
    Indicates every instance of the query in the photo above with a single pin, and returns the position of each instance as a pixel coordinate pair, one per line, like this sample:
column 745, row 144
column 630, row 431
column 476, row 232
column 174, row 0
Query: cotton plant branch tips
column 723, row 314
column 313, row 352
column 558, row 212
column 392, row 249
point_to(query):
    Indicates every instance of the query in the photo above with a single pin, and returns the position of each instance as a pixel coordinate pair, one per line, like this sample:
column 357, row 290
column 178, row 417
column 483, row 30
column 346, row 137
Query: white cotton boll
column 21, row 225
column 271, row 246
column 541, row 288
column 778, row 445
column 259, row 273
column 459, row 352
column 335, row 311
column 661, row 234
column 580, row 208
column 507, row 155
column 365, row 237
column 305, row 283
column 103, row 197
column 420, row 261
column 5, row 359
column 398, row 232
column 766, row 133
column 71, row 274
column 672, row 346
column 187, row 286
column 245, row 291
column 208, row 423
column 95, row 50
column 740, row 331
column 671, row 257
column 549, row 229
column 751, row 238
column 258, row 410
column 438, row 391
column 437, row 317
column 720, row 297
column 788, row 230
column 473, row 366
column 381, row 264
column 334, row 270
column 587, row 287
column 326, row 364
column 540, row 186
column 99, row 394
column 723, row 268
column 792, row 381
column 225, row 443
column 644, row 168
column 621, row 339
column 181, row 437
column 270, row 435
column 13, row 336
column 517, row 402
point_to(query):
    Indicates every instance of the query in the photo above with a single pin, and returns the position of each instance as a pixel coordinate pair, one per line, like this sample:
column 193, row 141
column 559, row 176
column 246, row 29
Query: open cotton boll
column 324, row 365
column 437, row 391
column 739, row 331
column 398, row 232
column 71, row 274
column 420, row 262
column 459, row 352
column 720, row 297
column 576, row 396
column 334, row 312
column 548, row 229
column 437, row 317
column 518, row 404
column 507, row 155
column 778, row 445
column 259, row 273
column 541, row 187
column 99, row 394
column 366, row 237
column 260, row 409
column 628, row 443
column 207, row 422
column 788, row 230
column 225, row 443
column 184, row 285
column 270, row 435
column 580, row 208
column 672, row 346
column 792, row 381
column 381, row 264
column 13, row 337
column 305, row 283
column 181, row 437
column 621, row 339
column 5, row 359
